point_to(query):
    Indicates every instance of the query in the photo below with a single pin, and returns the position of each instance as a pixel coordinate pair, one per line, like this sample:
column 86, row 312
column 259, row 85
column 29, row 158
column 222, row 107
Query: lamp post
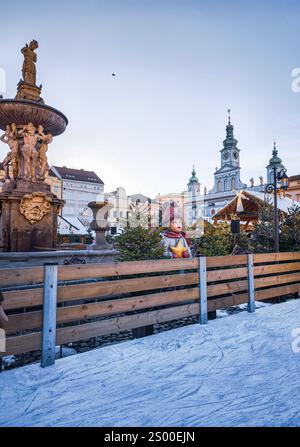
column 278, row 176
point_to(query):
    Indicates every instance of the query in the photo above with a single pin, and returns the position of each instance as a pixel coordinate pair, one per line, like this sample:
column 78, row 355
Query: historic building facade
column 227, row 178
column 227, row 182
column 79, row 187
column 294, row 188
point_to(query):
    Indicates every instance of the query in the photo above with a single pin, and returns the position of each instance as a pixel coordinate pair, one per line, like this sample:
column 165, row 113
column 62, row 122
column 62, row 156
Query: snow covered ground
column 243, row 370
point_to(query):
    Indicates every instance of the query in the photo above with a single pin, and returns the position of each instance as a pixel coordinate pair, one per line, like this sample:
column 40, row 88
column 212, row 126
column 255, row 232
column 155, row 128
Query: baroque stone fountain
column 28, row 208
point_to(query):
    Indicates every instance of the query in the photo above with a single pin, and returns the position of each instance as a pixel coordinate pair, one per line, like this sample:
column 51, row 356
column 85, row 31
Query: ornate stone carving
column 30, row 58
column 23, row 112
column 42, row 161
column 34, row 206
column 29, row 152
column 27, row 88
column 28, row 147
column 10, row 137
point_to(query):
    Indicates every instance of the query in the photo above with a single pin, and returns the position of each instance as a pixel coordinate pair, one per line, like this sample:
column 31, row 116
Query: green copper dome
column 275, row 160
column 194, row 178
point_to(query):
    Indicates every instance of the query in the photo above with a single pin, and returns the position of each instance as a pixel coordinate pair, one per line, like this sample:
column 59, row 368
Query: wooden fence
column 58, row 304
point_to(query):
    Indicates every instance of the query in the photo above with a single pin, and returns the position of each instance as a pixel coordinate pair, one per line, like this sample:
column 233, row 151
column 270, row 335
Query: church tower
column 193, row 184
column 227, row 177
column 193, row 197
column 275, row 161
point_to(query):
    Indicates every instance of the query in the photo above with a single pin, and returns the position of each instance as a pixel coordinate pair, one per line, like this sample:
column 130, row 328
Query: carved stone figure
column 29, row 152
column 43, row 166
column 6, row 163
column 252, row 182
column 261, row 179
column 34, row 164
column 10, row 137
column 34, row 206
column 30, row 59
column 28, row 148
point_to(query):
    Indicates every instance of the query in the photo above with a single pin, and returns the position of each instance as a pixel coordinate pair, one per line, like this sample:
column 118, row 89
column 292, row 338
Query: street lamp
column 282, row 177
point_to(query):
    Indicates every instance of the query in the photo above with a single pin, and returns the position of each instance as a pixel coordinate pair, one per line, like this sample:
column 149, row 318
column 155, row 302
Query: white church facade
column 227, row 182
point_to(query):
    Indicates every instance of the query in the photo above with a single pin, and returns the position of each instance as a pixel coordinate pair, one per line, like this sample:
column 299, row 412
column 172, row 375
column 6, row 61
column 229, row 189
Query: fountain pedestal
column 28, row 216
column 100, row 223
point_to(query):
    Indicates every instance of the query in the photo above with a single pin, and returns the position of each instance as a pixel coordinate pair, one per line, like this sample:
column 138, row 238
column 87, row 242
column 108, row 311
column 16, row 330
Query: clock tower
column 227, row 177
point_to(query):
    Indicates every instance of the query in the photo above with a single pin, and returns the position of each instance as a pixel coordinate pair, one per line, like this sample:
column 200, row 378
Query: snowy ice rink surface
column 243, row 370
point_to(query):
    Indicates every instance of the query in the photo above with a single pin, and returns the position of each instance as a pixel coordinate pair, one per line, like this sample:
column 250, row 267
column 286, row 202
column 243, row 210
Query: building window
column 233, row 183
column 225, row 184
column 219, row 185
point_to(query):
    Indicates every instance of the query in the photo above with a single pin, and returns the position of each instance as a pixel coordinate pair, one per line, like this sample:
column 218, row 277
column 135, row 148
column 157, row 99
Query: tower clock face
column 235, row 155
column 226, row 155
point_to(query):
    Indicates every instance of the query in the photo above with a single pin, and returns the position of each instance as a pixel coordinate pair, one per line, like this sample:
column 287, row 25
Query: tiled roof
column 294, row 177
column 78, row 174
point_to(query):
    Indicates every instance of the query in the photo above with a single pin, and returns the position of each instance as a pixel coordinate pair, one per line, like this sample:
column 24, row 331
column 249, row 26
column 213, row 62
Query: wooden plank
column 260, row 295
column 222, row 275
column 272, row 257
column 119, row 287
column 72, row 272
column 225, row 261
column 24, row 321
column 33, row 320
column 251, row 289
column 276, row 279
column 224, row 288
column 265, row 294
column 232, row 300
column 15, row 299
column 23, row 343
column 21, row 276
column 49, row 316
column 34, row 297
column 202, row 291
column 276, row 268
column 114, row 325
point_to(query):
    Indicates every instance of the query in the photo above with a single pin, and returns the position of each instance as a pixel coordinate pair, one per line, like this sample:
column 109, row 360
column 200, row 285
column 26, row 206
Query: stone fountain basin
column 22, row 112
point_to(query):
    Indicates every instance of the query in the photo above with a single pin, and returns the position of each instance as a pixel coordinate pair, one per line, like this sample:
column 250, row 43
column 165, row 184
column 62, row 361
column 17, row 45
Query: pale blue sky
column 180, row 64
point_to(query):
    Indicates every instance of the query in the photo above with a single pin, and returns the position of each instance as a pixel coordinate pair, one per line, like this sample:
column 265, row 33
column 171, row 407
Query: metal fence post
column 49, row 315
column 202, row 290
column 251, row 288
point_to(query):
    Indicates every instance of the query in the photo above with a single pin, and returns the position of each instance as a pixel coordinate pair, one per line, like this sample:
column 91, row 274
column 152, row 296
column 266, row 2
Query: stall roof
column 244, row 205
